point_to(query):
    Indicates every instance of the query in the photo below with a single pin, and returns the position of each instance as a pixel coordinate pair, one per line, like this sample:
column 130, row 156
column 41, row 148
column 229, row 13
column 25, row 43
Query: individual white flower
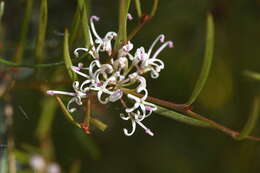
column 89, row 51
column 53, row 168
column 94, row 65
column 132, row 79
column 128, row 47
column 37, row 163
column 91, row 82
column 125, row 49
column 110, row 88
column 76, row 96
column 105, row 70
column 152, row 63
column 142, row 86
column 104, row 90
column 134, row 120
column 140, row 103
column 140, row 55
column 146, row 62
column 96, row 68
column 104, row 44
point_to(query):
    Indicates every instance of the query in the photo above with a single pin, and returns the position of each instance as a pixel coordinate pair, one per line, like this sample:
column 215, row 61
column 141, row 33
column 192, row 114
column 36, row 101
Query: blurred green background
column 176, row 147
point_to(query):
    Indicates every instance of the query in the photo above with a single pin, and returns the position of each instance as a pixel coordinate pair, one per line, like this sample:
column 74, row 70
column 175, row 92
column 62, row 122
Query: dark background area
column 176, row 147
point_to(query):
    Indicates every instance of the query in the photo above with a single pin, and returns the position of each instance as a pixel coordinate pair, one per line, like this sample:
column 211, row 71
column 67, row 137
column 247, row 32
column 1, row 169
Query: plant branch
column 186, row 109
column 143, row 19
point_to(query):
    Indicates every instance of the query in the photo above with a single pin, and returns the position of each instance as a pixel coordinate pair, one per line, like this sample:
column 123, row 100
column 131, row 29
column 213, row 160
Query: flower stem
column 88, row 112
column 143, row 19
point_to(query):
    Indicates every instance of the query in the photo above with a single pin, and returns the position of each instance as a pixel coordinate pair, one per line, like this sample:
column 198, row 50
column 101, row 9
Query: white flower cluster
column 122, row 70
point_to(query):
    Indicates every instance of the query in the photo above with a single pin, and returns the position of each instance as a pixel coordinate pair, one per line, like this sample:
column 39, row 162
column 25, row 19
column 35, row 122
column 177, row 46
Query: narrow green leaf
column 80, row 18
column 81, row 4
column 66, row 54
column 122, row 29
column 43, row 19
column 138, row 8
column 208, row 57
column 85, row 26
column 252, row 120
column 66, row 112
column 180, row 117
column 74, row 27
column 252, row 75
column 24, row 31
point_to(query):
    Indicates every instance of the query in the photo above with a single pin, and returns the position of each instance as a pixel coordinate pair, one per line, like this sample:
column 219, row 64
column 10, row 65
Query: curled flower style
column 104, row 44
column 77, row 69
column 140, row 103
column 76, row 96
column 91, row 52
column 123, row 71
column 134, row 120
